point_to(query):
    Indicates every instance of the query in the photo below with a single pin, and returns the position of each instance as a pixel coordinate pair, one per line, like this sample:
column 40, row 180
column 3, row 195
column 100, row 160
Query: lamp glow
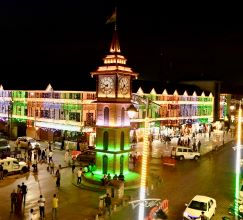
column 131, row 111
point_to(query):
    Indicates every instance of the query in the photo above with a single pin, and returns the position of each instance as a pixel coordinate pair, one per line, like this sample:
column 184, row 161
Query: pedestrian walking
column 199, row 145
column 13, row 197
column 34, row 165
column 1, row 171
column 24, row 190
column 73, row 166
column 108, row 203
column 54, row 206
column 19, row 200
column 50, row 155
column 66, row 156
column 39, row 154
column 43, row 155
column 41, row 203
column 30, row 154
column 52, row 165
column 49, row 145
column 79, row 174
column 58, row 176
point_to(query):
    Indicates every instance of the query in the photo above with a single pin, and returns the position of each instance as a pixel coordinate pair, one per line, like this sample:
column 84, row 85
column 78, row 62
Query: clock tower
column 113, row 92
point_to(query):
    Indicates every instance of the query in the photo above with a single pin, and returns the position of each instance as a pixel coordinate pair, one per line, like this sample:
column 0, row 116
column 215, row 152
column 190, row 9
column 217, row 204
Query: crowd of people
column 18, row 200
column 18, row 196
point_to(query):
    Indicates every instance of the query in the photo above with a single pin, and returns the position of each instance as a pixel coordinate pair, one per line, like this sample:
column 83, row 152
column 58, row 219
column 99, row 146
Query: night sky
column 163, row 42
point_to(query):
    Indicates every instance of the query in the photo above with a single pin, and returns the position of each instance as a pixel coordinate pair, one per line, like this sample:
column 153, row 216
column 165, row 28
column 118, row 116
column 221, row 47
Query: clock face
column 124, row 85
column 106, row 85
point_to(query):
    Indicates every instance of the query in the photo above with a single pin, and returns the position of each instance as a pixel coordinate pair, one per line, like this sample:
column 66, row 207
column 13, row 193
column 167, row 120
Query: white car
column 26, row 142
column 198, row 205
column 12, row 165
column 182, row 153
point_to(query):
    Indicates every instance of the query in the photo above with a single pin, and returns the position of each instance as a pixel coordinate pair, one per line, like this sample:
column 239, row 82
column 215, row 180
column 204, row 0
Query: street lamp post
column 143, row 182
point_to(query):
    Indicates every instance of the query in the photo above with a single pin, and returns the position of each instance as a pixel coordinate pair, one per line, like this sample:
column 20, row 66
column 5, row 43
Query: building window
column 105, row 140
column 89, row 119
column 122, row 141
column 106, row 116
column 122, row 116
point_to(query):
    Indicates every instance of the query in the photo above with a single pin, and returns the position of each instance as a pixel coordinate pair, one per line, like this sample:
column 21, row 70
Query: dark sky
column 40, row 40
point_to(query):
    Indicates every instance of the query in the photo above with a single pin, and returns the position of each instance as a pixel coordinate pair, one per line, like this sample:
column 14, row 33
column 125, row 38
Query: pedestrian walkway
column 208, row 144
column 158, row 149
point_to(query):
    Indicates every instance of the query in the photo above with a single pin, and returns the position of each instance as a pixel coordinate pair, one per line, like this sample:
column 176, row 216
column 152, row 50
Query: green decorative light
column 112, row 148
column 71, row 107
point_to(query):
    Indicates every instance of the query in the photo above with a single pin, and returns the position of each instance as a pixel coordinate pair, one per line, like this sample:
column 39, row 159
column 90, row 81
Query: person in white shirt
column 66, row 156
column 41, row 203
column 31, row 214
column 50, row 156
column 79, row 174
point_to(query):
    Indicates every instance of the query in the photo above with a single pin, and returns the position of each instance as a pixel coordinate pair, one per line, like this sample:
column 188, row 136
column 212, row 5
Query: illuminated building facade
column 48, row 114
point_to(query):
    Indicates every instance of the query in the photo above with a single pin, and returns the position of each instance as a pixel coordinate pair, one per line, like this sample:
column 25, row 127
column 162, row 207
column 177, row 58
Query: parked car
column 86, row 156
column 12, row 165
column 184, row 153
column 4, row 145
column 200, row 204
column 27, row 142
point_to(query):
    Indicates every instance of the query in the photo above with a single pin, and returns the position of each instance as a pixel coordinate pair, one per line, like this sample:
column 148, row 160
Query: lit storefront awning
column 58, row 126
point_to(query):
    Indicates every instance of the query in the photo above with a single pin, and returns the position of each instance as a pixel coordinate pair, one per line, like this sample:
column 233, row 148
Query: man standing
column 24, row 191
column 54, row 206
column 199, row 146
column 13, row 201
column 52, row 165
column 50, row 156
column 41, row 203
column 1, row 171
column 79, row 173
column 108, row 203
column 73, row 166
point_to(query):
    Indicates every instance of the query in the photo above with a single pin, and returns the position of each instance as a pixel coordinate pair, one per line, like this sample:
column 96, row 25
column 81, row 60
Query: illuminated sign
column 145, row 202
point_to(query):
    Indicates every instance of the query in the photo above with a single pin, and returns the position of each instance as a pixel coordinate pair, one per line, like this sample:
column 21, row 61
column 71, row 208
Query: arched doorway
column 121, row 164
column 122, row 141
column 105, row 164
column 105, row 140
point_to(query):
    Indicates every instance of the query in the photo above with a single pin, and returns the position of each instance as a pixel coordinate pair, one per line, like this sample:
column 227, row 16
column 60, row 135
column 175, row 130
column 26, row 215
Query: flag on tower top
column 112, row 18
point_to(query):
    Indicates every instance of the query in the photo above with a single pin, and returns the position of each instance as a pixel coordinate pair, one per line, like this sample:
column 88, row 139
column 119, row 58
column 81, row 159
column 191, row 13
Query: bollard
column 114, row 208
